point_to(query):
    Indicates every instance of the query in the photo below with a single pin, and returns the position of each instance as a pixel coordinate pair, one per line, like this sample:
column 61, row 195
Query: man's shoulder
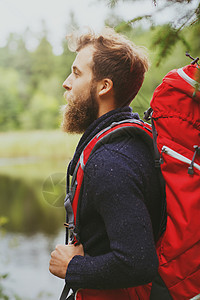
column 131, row 151
column 126, row 145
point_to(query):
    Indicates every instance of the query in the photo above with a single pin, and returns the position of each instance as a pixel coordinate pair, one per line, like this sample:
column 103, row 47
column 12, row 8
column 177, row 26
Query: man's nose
column 67, row 84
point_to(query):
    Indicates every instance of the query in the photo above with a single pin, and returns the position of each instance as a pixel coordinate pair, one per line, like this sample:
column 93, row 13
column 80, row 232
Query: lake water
column 26, row 260
column 35, row 213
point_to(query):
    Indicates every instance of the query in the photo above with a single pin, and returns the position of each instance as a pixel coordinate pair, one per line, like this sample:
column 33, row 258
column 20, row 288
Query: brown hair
column 116, row 58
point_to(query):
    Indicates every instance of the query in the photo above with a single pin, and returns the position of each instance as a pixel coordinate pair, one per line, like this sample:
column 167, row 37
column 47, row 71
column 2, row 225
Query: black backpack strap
column 147, row 117
column 156, row 152
column 158, row 161
column 159, row 290
column 65, row 294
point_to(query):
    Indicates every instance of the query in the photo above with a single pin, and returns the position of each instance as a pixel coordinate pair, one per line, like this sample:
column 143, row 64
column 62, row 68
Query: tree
column 42, row 61
column 66, row 59
column 10, row 104
column 42, row 112
column 170, row 34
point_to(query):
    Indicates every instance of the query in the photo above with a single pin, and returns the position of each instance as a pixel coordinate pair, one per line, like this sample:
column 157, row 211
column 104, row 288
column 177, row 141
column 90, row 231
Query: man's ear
column 106, row 86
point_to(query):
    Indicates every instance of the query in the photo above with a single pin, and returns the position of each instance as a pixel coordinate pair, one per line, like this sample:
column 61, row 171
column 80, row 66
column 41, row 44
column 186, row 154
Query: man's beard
column 80, row 112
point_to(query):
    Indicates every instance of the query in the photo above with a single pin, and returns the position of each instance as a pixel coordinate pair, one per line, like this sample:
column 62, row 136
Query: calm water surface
column 35, row 226
column 26, row 260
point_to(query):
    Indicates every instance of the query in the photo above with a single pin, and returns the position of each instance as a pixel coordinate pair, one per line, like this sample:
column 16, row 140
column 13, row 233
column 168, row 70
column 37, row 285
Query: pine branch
column 147, row 17
column 165, row 40
column 123, row 27
column 168, row 36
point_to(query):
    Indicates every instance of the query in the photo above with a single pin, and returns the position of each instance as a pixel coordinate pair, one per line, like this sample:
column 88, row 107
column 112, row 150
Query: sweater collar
column 107, row 119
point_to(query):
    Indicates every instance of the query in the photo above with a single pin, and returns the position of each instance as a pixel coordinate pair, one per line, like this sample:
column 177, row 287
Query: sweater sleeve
column 116, row 188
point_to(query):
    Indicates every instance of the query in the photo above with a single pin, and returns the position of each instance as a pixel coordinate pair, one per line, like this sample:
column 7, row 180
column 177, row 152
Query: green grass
column 38, row 171
column 35, row 155
column 41, row 144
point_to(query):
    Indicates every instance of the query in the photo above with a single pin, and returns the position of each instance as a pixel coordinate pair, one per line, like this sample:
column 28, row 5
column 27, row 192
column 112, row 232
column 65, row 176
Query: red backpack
column 176, row 119
column 175, row 115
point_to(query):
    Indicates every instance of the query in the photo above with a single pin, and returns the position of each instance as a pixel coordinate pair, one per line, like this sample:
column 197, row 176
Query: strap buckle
column 70, row 227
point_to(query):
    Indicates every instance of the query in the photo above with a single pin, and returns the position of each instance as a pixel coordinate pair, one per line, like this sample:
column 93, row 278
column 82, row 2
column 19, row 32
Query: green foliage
column 3, row 294
column 170, row 34
column 43, row 61
column 31, row 84
column 10, row 104
column 165, row 39
column 64, row 62
column 44, row 112
column 3, row 221
column 123, row 27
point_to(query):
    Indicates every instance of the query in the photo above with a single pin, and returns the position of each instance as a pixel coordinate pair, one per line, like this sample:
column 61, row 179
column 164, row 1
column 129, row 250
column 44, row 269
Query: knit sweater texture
column 119, row 211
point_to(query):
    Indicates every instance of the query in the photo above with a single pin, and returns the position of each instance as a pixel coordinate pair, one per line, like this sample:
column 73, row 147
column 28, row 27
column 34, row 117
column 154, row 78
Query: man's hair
column 116, row 58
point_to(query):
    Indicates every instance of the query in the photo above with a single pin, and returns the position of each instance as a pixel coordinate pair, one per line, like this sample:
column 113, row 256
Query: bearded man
column 119, row 207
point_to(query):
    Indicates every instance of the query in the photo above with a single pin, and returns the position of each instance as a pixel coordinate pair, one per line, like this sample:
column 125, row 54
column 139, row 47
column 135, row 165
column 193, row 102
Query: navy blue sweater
column 119, row 212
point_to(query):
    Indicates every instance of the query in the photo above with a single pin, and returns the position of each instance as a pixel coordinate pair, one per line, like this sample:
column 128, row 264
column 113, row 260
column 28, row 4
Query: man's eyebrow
column 76, row 69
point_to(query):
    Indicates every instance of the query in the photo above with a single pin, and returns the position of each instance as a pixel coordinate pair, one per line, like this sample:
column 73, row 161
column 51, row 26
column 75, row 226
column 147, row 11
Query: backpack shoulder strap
column 117, row 129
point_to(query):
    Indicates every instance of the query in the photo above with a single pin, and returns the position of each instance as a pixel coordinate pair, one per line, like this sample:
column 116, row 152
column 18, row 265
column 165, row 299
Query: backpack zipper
column 178, row 156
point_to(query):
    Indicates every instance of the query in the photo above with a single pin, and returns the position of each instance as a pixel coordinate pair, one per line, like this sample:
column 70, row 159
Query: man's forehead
column 84, row 58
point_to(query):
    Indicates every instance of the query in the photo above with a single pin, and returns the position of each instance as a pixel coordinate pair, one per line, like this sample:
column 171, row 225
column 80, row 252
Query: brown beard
column 80, row 112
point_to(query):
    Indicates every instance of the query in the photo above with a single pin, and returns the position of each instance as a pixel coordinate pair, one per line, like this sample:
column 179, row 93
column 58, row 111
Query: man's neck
column 105, row 107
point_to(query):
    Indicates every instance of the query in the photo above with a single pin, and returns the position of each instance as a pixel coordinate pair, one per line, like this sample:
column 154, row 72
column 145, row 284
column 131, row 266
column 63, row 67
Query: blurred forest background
column 31, row 81
column 34, row 152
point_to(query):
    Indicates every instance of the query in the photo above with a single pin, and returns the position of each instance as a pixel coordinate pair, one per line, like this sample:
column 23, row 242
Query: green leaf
column 3, row 220
column 3, row 276
column 123, row 27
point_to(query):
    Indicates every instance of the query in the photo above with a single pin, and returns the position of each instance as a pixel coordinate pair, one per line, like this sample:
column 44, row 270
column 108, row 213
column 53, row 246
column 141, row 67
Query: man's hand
column 61, row 257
